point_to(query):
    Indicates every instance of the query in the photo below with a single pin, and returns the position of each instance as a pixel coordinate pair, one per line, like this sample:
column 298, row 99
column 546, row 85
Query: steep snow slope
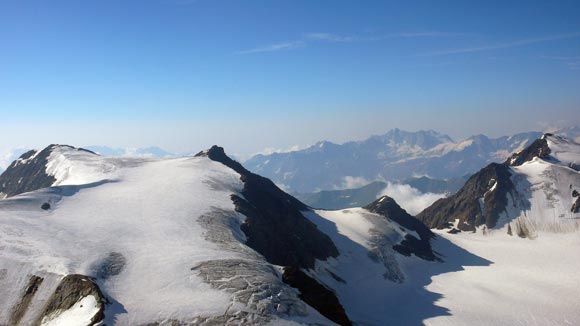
column 545, row 189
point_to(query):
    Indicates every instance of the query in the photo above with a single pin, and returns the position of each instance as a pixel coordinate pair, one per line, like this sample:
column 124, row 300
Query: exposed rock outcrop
column 28, row 173
column 316, row 295
column 539, row 148
column 72, row 289
column 276, row 228
column 576, row 206
column 19, row 310
column 488, row 188
column 387, row 207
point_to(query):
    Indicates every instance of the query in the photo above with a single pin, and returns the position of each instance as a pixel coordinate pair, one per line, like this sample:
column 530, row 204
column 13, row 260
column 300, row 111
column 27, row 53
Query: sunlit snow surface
column 79, row 314
column 544, row 199
column 491, row 279
column 148, row 212
column 145, row 211
column 528, row 282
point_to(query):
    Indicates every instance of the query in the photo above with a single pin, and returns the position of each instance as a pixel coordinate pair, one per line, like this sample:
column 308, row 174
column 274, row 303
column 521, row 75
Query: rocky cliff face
column 275, row 226
column 464, row 210
column 420, row 247
column 525, row 192
column 29, row 172
column 539, row 148
column 70, row 294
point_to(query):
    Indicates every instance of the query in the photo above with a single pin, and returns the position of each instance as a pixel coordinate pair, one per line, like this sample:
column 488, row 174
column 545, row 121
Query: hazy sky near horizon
column 249, row 75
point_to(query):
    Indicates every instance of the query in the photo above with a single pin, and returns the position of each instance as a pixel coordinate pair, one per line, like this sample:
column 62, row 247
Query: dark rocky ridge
column 387, row 207
column 316, row 295
column 19, row 310
column 69, row 291
column 576, row 206
column 539, row 148
column 28, row 173
column 465, row 206
column 276, row 228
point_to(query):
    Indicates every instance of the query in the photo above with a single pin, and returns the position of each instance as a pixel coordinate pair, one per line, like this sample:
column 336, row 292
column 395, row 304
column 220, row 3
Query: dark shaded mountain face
column 396, row 155
column 465, row 206
column 539, row 148
column 276, row 228
column 28, row 173
column 421, row 247
column 540, row 176
column 316, row 295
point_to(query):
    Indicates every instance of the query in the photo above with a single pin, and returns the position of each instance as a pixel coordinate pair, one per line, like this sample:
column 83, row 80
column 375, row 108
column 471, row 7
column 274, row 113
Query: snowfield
column 162, row 240
column 491, row 279
column 526, row 282
column 143, row 213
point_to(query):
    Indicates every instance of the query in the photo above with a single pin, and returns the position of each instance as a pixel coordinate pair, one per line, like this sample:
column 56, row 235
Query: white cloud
column 290, row 45
column 309, row 38
column 8, row 156
column 272, row 150
column 268, row 151
column 572, row 62
column 506, row 45
column 349, row 182
column 330, row 37
column 409, row 198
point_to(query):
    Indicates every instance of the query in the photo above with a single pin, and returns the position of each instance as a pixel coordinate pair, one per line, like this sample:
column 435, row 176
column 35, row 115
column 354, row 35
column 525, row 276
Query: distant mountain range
column 394, row 156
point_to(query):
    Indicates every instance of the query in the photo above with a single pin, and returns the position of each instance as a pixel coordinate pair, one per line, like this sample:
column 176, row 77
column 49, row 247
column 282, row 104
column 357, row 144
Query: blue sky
column 185, row 74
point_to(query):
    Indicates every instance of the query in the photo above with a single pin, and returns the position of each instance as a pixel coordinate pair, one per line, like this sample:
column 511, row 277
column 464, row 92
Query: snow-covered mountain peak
column 535, row 190
column 565, row 151
column 59, row 165
column 422, row 139
column 188, row 241
column 552, row 148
